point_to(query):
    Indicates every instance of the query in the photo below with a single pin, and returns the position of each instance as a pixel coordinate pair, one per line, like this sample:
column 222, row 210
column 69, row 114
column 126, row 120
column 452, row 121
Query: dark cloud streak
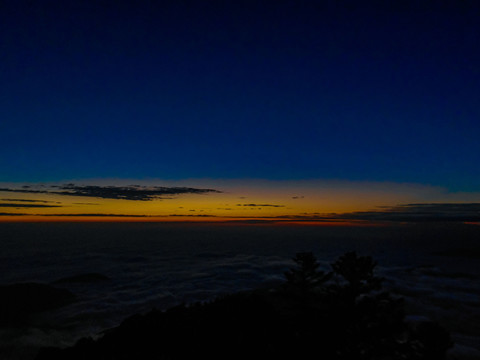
column 24, row 191
column 29, row 205
column 139, row 193
column 133, row 192
column 461, row 212
column 96, row 215
column 261, row 205
column 27, row 200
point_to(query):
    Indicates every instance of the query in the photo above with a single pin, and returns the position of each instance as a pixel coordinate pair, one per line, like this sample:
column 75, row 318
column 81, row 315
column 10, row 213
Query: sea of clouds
column 159, row 266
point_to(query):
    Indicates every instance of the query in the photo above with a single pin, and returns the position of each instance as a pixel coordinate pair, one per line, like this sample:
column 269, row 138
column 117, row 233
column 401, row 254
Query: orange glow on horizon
column 315, row 203
column 179, row 220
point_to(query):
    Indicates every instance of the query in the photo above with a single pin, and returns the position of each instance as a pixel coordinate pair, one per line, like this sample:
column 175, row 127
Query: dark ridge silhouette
column 83, row 278
column 19, row 301
column 341, row 314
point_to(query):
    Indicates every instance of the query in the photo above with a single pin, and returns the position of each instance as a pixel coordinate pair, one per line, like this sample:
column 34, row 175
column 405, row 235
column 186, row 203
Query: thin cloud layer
column 27, row 200
column 110, row 215
column 463, row 212
column 135, row 192
column 260, row 205
column 431, row 212
column 434, row 212
column 192, row 215
column 14, row 205
column 132, row 192
column 97, row 215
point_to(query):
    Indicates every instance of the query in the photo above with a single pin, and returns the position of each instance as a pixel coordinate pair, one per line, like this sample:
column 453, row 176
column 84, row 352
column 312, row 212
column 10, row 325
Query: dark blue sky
column 260, row 89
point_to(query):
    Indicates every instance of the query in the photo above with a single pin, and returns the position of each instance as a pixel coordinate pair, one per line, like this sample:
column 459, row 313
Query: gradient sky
column 370, row 98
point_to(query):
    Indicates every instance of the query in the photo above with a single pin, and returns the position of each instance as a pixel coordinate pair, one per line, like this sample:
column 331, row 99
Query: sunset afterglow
column 318, row 202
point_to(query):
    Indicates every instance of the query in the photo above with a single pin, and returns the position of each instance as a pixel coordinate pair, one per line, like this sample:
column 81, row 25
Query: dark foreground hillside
column 342, row 314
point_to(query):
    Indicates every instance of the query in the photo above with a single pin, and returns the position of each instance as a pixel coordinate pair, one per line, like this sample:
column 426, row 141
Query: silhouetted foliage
column 355, row 283
column 358, row 272
column 339, row 315
column 433, row 340
column 305, row 278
